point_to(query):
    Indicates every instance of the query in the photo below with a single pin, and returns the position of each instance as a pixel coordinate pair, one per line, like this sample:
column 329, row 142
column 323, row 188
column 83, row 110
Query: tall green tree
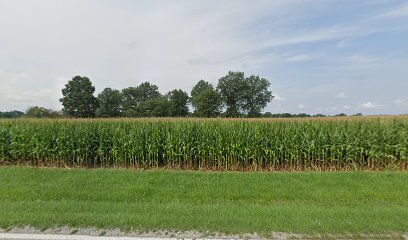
column 208, row 103
column 255, row 96
column 11, row 114
column 38, row 112
column 135, row 97
column 110, row 103
column 131, row 101
column 157, row 107
column 232, row 87
column 178, row 100
column 78, row 99
column 200, row 87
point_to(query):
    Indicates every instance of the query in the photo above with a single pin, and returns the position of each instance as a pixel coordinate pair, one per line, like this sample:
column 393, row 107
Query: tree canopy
column 236, row 94
column 38, row 112
column 135, row 99
column 78, row 99
column 110, row 103
column 255, row 95
column 244, row 96
column 11, row 114
column 232, row 88
column 200, row 87
column 208, row 103
column 205, row 100
column 178, row 100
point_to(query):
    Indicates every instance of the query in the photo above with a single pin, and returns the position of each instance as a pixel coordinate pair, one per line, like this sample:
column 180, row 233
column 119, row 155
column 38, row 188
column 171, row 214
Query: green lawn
column 302, row 202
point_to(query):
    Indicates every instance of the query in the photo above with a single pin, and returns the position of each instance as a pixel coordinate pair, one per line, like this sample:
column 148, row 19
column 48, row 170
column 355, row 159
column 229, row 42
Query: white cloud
column 301, row 106
column 298, row 58
column 399, row 101
column 360, row 59
column 317, row 35
column 341, row 95
column 368, row 105
column 19, row 91
column 400, row 11
column 328, row 33
column 343, row 43
column 175, row 44
column 346, row 107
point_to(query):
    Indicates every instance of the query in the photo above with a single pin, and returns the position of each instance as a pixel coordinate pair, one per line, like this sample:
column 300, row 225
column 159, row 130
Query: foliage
column 78, row 99
column 244, row 96
column 11, row 114
column 208, row 103
column 341, row 115
column 157, row 107
column 199, row 88
column 255, row 96
column 161, row 107
column 39, row 112
column 135, row 98
column 110, row 103
column 221, row 144
column 232, row 88
column 205, row 100
column 178, row 100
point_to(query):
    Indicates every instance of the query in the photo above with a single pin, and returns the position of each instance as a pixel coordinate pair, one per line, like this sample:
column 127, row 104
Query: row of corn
column 214, row 144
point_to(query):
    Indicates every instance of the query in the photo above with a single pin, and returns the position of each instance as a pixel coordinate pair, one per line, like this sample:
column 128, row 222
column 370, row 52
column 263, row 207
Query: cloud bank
column 307, row 49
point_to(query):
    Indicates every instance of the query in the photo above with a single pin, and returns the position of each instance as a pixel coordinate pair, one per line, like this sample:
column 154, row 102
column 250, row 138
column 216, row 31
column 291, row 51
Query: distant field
column 352, row 143
column 234, row 202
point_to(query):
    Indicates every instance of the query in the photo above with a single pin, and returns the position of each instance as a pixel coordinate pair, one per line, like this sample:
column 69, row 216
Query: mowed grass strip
column 228, row 202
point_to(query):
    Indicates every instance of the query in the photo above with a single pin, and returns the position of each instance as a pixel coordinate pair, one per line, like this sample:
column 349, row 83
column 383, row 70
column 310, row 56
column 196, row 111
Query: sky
column 320, row 56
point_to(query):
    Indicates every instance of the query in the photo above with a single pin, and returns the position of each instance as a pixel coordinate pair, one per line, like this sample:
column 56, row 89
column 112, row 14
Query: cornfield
column 209, row 144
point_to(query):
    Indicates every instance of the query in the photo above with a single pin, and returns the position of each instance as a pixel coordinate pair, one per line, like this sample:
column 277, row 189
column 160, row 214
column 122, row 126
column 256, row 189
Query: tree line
column 234, row 96
column 41, row 112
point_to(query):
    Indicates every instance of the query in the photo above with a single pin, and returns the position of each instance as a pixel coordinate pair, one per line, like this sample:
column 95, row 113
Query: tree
column 255, row 95
column 268, row 115
column 38, row 112
column 130, row 101
column 244, row 95
column 178, row 100
column 11, row 114
column 158, row 107
column 340, row 115
column 135, row 97
column 208, row 103
column 78, row 99
column 232, row 87
column 161, row 107
column 200, row 87
column 110, row 103
column 357, row 115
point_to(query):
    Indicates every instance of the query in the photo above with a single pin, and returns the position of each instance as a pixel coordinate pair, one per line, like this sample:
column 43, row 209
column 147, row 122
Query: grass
column 228, row 202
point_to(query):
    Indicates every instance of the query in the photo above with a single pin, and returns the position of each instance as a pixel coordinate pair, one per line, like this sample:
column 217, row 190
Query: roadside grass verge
column 226, row 202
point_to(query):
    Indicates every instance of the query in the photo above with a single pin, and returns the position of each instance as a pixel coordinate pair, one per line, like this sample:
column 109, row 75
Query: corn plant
column 209, row 144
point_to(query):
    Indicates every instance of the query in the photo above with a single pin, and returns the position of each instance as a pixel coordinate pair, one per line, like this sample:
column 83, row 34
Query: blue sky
column 321, row 56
